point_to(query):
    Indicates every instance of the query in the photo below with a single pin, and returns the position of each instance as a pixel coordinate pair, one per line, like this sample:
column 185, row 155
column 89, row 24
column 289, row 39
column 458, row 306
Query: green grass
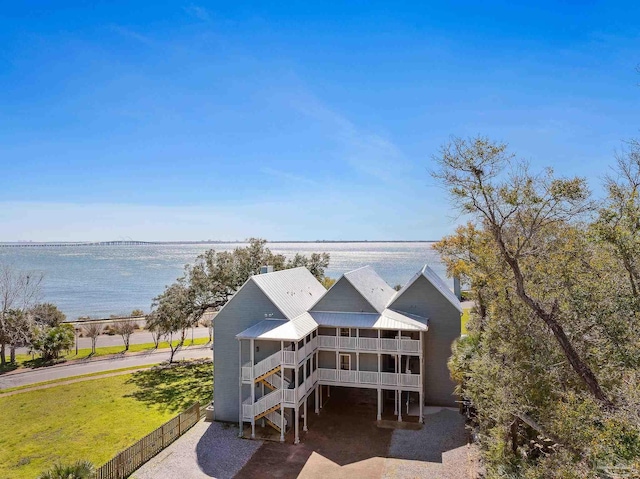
column 81, row 376
column 24, row 360
column 95, row 419
column 464, row 320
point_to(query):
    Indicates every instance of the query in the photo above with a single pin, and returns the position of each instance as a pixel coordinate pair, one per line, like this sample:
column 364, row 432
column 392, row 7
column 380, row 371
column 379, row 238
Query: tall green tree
column 213, row 279
column 552, row 349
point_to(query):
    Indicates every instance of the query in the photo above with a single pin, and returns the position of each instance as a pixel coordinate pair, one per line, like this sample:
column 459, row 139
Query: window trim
column 340, row 361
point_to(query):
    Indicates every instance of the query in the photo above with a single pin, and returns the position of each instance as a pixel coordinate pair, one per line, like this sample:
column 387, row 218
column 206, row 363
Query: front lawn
column 94, row 419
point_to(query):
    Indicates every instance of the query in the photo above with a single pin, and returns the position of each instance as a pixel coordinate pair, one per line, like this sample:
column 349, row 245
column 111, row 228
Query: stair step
column 274, row 408
column 267, row 374
column 273, row 425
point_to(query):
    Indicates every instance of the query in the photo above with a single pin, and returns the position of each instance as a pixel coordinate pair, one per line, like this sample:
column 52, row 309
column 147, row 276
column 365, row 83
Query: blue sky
column 292, row 121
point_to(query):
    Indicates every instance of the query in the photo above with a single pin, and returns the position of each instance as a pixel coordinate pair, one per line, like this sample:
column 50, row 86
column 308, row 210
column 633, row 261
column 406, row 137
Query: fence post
column 162, row 434
column 180, row 425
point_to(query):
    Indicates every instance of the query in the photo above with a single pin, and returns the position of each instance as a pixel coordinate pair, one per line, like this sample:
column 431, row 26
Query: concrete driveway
column 341, row 442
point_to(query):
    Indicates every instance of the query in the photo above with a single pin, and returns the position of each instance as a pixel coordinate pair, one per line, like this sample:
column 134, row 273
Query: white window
column 345, row 362
column 345, row 332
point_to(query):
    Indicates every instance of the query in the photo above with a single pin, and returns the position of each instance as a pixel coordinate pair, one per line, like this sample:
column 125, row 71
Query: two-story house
column 283, row 340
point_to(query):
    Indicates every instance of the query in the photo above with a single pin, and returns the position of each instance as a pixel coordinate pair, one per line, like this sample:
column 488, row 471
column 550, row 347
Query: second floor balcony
column 386, row 345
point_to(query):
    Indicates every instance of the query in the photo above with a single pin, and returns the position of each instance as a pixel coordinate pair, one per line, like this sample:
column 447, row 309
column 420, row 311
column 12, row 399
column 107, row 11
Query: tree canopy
column 553, row 349
column 214, row 278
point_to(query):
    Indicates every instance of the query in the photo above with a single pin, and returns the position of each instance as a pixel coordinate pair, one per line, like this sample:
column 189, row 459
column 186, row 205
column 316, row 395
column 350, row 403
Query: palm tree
column 78, row 470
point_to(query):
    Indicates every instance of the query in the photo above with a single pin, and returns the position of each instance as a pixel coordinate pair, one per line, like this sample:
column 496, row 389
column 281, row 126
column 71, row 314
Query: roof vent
column 266, row 269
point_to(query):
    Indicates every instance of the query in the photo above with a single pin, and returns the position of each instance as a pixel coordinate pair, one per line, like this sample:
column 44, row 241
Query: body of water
column 102, row 280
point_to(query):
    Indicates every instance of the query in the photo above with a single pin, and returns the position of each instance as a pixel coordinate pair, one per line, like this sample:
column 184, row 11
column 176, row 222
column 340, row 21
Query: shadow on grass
column 174, row 387
column 5, row 368
column 41, row 363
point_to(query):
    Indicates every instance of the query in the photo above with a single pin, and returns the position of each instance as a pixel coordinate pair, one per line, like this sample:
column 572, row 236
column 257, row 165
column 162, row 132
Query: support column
column 328, row 391
column 421, row 416
column 400, row 406
column 253, row 391
column 263, row 421
column 317, row 401
column 297, row 426
column 379, row 417
column 281, row 422
column 240, row 422
column 395, row 395
column 304, row 428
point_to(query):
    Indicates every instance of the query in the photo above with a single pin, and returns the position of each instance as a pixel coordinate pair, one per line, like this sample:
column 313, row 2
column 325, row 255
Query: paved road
column 139, row 337
column 32, row 376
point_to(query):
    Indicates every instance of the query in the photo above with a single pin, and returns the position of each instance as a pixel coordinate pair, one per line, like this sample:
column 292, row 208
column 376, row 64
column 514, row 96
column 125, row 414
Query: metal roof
column 263, row 327
column 386, row 320
column 292, row 291
column 371, row 286
column 436, row 281
column 281, row 329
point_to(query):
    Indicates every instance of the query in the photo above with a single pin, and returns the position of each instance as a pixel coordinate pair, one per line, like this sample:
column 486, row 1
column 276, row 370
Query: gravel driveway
column 208, row 449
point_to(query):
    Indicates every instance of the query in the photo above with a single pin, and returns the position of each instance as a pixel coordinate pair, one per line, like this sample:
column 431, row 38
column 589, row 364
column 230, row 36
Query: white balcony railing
column 267, row 364
column 410, row 380
column 409, row 346
column 247, row 374
column 327, row 342
column 369, row 377
column 276, row 418
column 289, row 396
column 389, row 379
column 327, row 374
column 368, row 344
column 348, row 376
column 347, row 343
column 388, row 344
column 267, row 402
column 289, row 358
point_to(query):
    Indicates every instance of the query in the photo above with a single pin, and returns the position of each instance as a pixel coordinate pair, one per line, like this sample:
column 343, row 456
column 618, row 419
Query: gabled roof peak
column 293, row 291
column 370, row 286
column 433, row 278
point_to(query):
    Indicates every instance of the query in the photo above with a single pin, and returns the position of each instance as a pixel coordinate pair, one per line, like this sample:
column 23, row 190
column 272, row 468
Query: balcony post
column 297, row 428
column 253, row 391
column 395, row 395
column 241, row 422
column 282, row 421
column 304, row 428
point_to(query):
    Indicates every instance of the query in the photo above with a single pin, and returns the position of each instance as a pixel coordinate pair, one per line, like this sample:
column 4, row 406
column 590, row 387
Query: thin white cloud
column 198, row 12
column 288, row 176
column 131, row 34
column 367, row 152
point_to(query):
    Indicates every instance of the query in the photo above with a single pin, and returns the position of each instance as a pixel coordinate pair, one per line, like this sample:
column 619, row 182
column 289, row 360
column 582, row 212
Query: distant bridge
column 86, row 243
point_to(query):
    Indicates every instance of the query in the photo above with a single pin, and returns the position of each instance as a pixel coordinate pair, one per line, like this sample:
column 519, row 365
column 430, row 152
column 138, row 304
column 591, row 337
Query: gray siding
column 368, row 362
column 343, row 297
column 327, row 359
column 245, row 309
column 423, row 299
